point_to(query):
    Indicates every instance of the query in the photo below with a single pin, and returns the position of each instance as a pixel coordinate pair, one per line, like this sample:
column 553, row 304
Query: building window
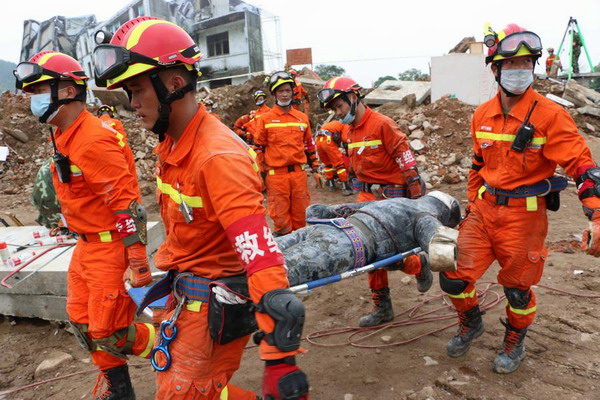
column 140, row 10
column 218, row 44
column 219, row 83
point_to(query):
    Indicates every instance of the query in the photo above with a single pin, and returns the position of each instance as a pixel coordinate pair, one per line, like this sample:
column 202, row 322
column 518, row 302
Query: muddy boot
column 118, row 385
column 331, row 185
column 382, row 309
column 509, row 359
column 471, row 327
column 424, row 277
column 347, row 189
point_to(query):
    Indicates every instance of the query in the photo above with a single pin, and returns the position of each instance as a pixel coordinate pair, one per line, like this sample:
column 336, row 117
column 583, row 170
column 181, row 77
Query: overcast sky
column 369, row 38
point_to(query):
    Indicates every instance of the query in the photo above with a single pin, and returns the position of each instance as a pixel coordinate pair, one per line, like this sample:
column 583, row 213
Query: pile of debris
column 439, row 133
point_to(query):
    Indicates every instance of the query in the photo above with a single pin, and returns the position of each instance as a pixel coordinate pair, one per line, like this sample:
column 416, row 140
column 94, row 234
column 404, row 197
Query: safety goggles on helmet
column 29, row 72
column 326, row 95
column 111, row 61
column 510, row 45
column 278, row 79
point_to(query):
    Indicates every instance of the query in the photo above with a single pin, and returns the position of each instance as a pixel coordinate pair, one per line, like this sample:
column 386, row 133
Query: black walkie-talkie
column 525, row 132
column 61, row 162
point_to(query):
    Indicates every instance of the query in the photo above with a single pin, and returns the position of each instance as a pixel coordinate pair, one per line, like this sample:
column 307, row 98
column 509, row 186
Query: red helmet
column 336, row 87
column 293, row 73
column 47, row 66
column 143, row 44
column 513, row 41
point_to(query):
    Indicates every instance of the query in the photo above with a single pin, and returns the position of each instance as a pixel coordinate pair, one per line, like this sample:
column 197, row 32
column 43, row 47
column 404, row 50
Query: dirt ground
column 562, row 345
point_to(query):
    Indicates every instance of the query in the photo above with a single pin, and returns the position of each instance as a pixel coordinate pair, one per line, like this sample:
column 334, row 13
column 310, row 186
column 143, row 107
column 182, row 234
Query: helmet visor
column 326, row 95
column 111, row 61
column 510, row 45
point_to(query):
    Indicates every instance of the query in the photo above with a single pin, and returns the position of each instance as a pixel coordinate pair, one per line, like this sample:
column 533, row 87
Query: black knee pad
column 452, row 286
column 517, row 298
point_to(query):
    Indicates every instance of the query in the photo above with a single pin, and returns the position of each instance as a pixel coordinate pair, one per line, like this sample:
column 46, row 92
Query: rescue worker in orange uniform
column 300, row 101
column 260, row 100
column 328, row 140
column 239, row 126
column 385, row 167
column 519, row 138
column 550, row 60
column 94, row 176
column 208, row 189
column 106, row 114
column 285, row 135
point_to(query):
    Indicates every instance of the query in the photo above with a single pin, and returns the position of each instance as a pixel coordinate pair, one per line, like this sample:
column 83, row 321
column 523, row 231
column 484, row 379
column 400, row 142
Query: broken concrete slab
column 464, row 76
column 43, row 293
column 560, row 100
column 113, row 97
column 580, row 95
column 590, row 110
column 397, row 91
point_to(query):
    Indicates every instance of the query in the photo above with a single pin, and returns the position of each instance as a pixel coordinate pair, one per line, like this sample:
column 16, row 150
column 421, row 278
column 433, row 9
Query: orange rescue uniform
column 514, row 233
column 103, row 181
column 300, row 97
column 113, row 123
column 286, row 138
column 215, row 175
column 377, row 149
column 329, row 152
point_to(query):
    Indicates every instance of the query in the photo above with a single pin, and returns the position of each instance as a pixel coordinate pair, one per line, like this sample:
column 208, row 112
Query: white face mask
column 516, row 80
column 284, row 104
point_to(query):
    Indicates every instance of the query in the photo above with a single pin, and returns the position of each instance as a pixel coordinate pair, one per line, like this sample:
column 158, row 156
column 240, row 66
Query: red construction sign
column 298, row 56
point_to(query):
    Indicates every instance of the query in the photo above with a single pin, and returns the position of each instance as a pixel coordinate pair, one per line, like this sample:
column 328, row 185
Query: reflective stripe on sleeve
column 366, row 144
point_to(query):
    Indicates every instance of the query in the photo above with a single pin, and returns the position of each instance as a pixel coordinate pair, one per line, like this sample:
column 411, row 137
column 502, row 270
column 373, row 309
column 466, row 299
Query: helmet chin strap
column 165, row 99
column 352, row 105
column 56, row 103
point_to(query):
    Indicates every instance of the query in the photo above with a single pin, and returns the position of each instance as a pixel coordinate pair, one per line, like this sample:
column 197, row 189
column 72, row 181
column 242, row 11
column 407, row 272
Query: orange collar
column 165, row 150
column 520, row 110
column 63, row 137
column 364, row 118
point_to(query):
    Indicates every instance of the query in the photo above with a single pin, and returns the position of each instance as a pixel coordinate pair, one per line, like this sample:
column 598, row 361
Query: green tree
column 382, row 79
column 326, row 71
column 595, row 83
column 413, row 74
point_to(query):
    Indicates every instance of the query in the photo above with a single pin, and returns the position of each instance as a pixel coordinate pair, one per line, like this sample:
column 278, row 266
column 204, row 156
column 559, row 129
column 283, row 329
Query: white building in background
column 228, row 32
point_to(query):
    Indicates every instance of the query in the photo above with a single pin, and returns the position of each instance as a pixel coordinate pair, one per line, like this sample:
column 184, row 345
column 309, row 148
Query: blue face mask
column 260, row 103
column 40, row 103
column 348, row 118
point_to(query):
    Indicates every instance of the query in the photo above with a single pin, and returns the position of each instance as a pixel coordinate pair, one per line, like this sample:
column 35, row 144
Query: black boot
column 509, row 359
column 118, row 385
column 347, row 189
column 331, row 185
column 471, row 327
column 424, row 277
column 382, row 309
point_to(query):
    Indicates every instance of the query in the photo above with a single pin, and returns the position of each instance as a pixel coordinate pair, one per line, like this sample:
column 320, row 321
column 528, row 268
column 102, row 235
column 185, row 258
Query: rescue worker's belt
column 387, row 191
column 194, row 288
column 540, row 189
column 104, row 236
column 346, row 227
column 285, row 170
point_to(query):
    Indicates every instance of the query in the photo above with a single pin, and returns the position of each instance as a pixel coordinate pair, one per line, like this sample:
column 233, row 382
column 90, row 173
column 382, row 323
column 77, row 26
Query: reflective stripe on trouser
column 96, row 296
column 201, row 368
column 513, row 236
column 288, row 198
column 378, row 279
